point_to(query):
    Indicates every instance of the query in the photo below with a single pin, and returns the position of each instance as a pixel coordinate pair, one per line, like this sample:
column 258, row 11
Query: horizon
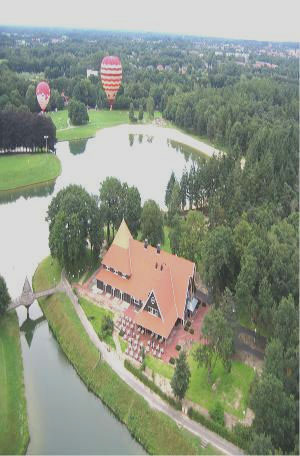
column 233, row 20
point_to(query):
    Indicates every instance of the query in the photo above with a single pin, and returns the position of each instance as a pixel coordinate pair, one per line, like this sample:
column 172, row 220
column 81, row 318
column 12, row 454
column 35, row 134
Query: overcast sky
column 271, row 20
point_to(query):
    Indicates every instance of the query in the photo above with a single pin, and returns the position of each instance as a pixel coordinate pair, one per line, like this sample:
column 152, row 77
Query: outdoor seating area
column 139, row 340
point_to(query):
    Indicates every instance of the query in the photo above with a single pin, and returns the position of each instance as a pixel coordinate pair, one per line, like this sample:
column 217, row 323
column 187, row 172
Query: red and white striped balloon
column 111, row 77
column 43, row 94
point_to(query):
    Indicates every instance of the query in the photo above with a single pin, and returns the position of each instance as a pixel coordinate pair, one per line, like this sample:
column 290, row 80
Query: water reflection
column 78, row 146
column 28, row 327
column 131, row 139
column 189, row 152
column 38, row 190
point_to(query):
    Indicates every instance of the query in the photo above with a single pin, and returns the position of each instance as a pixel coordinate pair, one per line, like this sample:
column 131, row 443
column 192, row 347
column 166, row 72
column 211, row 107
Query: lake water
column 64, row 418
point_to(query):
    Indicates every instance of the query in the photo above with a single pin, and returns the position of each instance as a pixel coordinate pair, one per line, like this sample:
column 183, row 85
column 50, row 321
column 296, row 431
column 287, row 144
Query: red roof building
column 158, row 284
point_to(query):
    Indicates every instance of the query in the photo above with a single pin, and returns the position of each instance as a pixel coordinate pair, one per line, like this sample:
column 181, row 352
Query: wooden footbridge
column 28, row 296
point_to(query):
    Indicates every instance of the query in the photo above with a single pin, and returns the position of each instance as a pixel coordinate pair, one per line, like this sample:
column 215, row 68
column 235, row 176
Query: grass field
column 95, row 314
column 14, row 434
column 232, row 389
column 155, row 431
column 27, row 169
column 98, row 120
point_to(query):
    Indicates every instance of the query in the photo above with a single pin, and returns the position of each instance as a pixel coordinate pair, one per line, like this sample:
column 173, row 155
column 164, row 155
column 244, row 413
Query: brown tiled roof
column 169, row 283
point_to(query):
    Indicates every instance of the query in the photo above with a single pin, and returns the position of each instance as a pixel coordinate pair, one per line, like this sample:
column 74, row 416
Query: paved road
column 116, row 363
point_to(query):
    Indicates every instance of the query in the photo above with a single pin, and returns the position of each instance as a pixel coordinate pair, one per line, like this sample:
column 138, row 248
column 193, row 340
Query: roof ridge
column 173, row 290
column 130, row 265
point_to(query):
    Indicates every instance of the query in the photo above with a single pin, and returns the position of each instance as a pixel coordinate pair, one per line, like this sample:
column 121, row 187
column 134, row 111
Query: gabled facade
column 158, row 284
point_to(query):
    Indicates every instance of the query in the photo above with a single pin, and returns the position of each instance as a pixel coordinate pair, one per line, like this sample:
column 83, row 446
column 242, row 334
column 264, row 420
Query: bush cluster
column 178, row 347
column 217, row 428
column 137, row 373
column 172, row 360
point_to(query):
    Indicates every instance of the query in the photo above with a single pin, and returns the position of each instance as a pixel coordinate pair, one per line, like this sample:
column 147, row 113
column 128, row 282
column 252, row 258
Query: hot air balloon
column 111, row 77
column 43, row 94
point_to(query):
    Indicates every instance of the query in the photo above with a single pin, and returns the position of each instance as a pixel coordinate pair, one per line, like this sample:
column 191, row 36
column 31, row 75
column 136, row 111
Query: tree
column 30, row 99
column 77, row 112
column 4, row 296
column 219, row 343
column 107, row 326
column 111, row 203
column 219, row 259
column 181, row 378
column 74, row 218
column 275, row 411
column 133, row 208
column 169, row 189
column 175, row 234
column 261, row 444
column 193, row 233
column 150, row 107
column 174, row 204
column 152, row 223
column 286, row 323
column 131, row 113
column 141, row 113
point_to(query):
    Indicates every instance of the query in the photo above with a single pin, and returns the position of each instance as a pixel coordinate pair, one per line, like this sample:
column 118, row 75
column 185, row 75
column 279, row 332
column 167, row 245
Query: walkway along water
column 115, row 362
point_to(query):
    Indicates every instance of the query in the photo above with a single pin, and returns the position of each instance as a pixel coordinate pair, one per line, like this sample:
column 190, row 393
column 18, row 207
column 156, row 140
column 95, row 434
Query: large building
column 160, row 286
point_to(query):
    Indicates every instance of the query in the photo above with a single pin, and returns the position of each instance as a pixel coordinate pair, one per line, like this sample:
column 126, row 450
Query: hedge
column 217, row 428
column 139, row 374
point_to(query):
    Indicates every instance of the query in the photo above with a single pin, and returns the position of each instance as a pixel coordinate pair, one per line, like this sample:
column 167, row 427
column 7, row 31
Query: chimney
column 146, row 243
column 158, row 248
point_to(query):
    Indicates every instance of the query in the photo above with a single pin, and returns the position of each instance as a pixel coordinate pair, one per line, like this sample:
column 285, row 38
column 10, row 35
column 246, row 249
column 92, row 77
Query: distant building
column 160, row 67
column 265, row 65
column 92, row 73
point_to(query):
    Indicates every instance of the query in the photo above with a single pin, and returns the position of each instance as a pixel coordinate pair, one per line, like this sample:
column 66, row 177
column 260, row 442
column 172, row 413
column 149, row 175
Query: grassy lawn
column 14, row 434
column 95, row 314
column 232, row 389
column 123, row 344
column 98, row 120
column 49, row 274
column 158, row 366
column 27, row 169
column 155, row 431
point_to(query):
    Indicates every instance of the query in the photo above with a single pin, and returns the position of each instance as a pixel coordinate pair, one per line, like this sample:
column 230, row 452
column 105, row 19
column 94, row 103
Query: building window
column 153, row 311
column 112, row 269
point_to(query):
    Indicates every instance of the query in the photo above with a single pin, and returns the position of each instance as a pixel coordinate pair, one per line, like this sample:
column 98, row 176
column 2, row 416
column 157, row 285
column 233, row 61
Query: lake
column 64, row 417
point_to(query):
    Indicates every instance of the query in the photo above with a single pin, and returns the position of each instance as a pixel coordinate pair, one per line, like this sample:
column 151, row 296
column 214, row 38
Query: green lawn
column 123, row 344
column 95, row 314
column 98, row 120
column 155, row 431
column 232, row 389
column 14, row 434
column 160, row 367
column 49, row 274
column 27, row 169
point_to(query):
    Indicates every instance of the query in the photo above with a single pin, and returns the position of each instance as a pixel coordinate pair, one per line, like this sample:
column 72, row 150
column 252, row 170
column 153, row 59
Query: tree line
column 26, row 130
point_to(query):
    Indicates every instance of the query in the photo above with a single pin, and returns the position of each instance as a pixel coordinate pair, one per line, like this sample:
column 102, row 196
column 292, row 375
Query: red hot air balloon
column 43, row 94
column 111, row 77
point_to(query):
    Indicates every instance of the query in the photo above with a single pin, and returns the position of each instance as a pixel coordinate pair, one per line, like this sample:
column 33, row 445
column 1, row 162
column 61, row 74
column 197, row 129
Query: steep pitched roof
column 122, row 236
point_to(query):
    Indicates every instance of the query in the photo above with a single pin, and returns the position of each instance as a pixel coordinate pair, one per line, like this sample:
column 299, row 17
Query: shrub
column 172, row 360
column 107, row 326
column 91, row 317
column 188, row 323
column 217, row 413
column 121, row 333
column 139, row 374
column 192, row 331
column 178, row 347
column 216, row 427
column 186, row 328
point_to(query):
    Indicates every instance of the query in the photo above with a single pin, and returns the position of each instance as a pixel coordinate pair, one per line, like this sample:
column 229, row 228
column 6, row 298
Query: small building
column 160, row 286
column 92, row 73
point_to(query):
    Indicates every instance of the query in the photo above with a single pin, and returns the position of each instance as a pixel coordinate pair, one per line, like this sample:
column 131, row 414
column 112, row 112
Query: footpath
column 116, row 363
